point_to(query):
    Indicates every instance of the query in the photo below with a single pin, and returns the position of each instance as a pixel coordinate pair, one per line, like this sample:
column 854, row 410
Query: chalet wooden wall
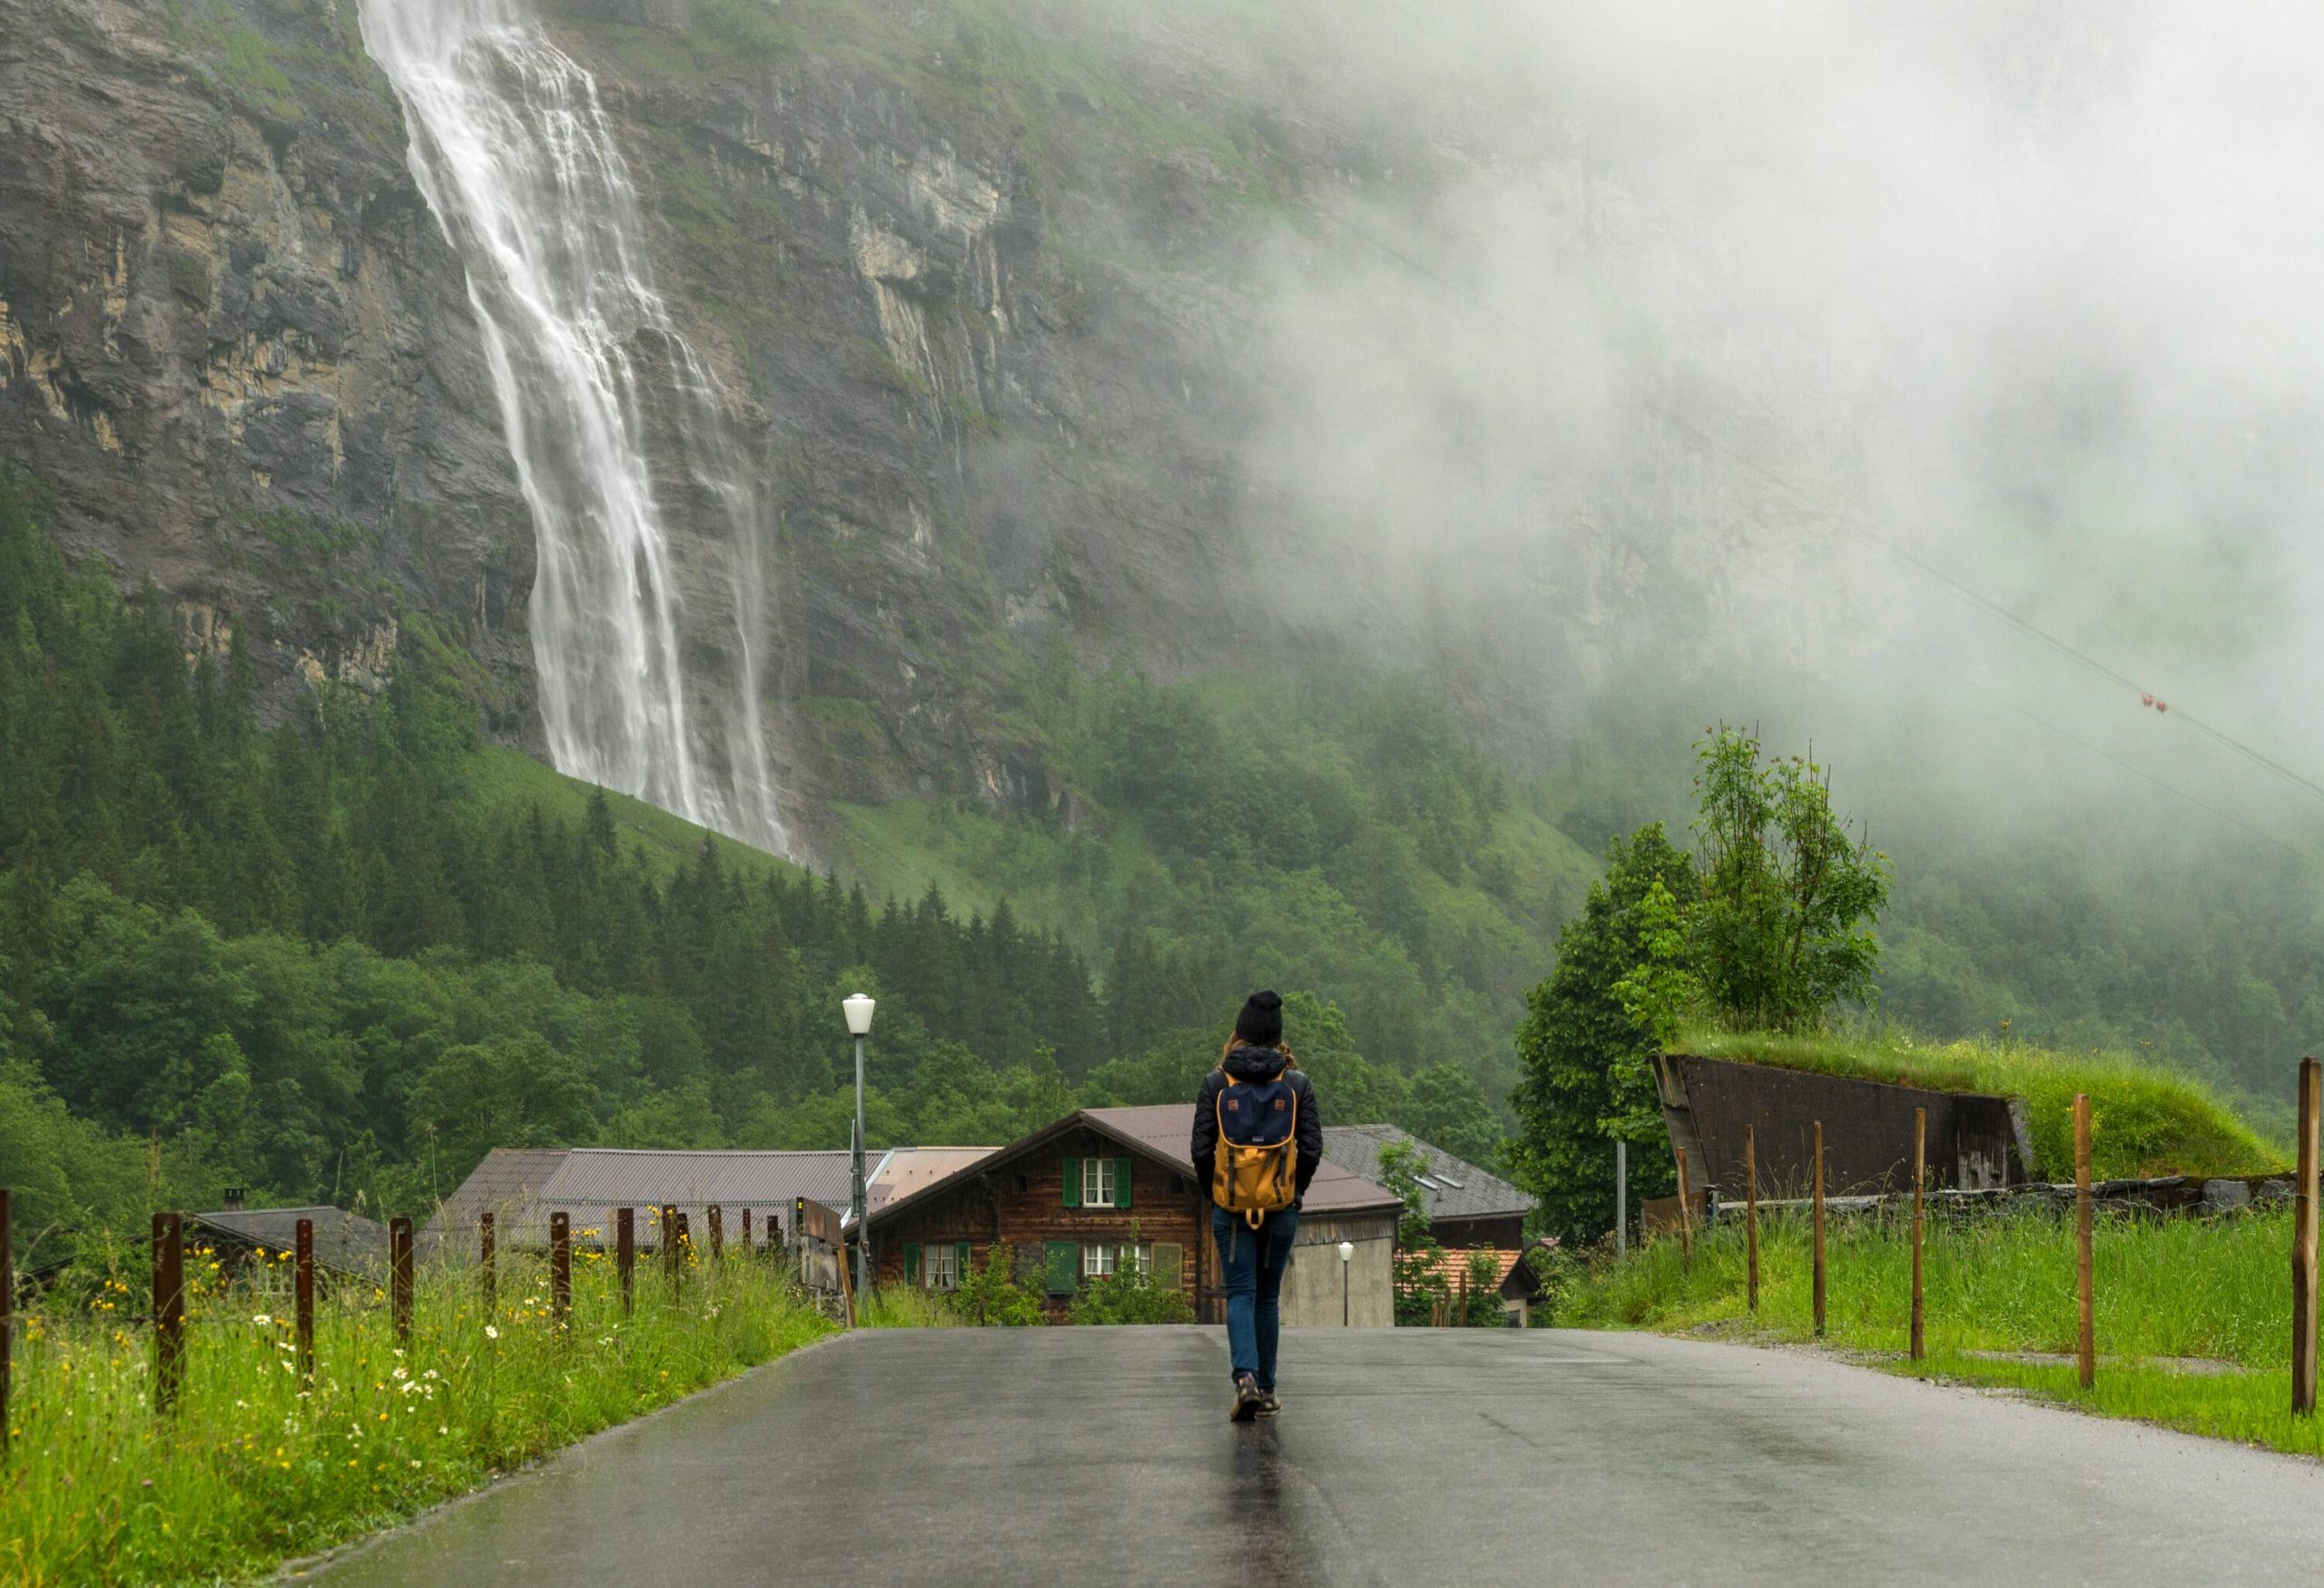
column 1165, row 1208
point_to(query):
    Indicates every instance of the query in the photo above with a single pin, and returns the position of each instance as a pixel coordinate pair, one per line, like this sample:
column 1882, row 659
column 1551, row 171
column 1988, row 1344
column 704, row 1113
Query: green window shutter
column 1072, row 1182
column 959, row 1262
column 1064, row 1265
column 1169, row 1257
column 1121, row 1182
column 912, row 1262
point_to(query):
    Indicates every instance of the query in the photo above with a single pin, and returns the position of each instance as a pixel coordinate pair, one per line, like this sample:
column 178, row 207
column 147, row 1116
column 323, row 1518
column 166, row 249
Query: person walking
column 1258, row 1137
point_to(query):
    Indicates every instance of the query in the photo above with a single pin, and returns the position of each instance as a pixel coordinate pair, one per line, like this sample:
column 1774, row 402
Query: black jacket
column 1248, row 1063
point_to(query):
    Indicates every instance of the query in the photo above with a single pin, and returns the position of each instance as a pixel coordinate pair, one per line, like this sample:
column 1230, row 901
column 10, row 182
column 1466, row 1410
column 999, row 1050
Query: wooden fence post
column 1686, row 1217
column 846, row 1284
column 1920, row 1181
column 303, row 1275
column 1819, row 1229
column 399, row 1277
column 625, row 1254
column 169, row 1308
column 560, row 1267
column 746, row 1233
column 7, row 1319
column 1750, row 1220
column 2303, row 1246
column 1460, row 1312
column 717, row 1232
column 2088, row 1343
column 485, row 1240
column 672, row 1259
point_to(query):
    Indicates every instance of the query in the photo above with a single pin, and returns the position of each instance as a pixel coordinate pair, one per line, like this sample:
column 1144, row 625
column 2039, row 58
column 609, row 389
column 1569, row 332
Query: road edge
column 303, row 1568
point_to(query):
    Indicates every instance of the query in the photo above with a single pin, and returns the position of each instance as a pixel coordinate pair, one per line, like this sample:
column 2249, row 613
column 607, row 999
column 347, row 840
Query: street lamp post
column 859, row 1007
column 1348, row 1250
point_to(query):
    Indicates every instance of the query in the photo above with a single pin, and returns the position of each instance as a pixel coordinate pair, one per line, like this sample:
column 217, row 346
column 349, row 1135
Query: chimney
column 234, row 1198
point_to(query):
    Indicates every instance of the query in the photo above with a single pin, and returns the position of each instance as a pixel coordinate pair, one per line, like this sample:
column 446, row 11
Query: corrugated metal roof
column 612, row 1176
column 1454, row 1190
column 523, row 1188
column 507, row 1184
column 1167, row 1130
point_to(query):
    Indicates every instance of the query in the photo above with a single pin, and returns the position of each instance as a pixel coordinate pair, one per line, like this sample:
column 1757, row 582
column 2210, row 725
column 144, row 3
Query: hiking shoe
column 1247, row 1399
column 1270, row 1404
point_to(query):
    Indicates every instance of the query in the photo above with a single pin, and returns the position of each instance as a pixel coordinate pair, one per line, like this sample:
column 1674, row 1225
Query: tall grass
column 255, row 1465
column 906, row 1307
column 2144, row 1120
column 2174, row 1298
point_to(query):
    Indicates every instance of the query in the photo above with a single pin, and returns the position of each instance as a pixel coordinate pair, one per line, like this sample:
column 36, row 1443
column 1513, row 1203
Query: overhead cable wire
column 1888, row 638
column 1861, row 524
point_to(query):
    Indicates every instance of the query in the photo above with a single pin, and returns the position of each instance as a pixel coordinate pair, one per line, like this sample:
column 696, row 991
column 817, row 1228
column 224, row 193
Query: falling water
column 515, row 155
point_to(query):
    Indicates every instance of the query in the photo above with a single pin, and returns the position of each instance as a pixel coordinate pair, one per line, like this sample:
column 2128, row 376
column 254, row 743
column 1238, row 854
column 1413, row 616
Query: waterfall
column 513, row 151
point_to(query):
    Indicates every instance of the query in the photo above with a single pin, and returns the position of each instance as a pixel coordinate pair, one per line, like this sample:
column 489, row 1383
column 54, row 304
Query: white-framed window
column 940, row 1267
column 1097, row 1183
column 1102, row 1258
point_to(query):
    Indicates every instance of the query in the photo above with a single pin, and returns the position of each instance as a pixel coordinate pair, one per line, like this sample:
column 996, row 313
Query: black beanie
column 1261, row 1021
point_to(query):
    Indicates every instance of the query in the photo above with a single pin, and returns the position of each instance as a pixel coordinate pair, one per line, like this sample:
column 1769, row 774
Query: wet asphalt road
column 1402, row 1458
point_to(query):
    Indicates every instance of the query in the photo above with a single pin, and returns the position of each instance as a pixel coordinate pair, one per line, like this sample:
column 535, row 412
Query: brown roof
column 905, row 1170
column 1167, row 1130
column 1163, row 1133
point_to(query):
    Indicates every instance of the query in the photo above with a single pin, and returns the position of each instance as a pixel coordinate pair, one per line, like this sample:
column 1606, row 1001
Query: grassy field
column 506, row 780
column 254, row 1466
column 2193, row 1315
column 2144, row 1120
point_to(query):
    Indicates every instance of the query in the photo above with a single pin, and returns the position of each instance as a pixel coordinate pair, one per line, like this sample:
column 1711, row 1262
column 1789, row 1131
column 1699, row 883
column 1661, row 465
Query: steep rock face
column 987, row 298
column 237, row 353
column 979, row 434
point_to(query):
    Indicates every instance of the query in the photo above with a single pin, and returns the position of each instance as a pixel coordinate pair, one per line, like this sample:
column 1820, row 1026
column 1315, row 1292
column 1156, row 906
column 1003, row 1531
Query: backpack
column 1256, row 1172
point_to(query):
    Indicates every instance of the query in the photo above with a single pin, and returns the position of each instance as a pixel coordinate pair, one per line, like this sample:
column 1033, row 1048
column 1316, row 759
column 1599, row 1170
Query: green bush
column 1130, row 1296
column 990, row 1295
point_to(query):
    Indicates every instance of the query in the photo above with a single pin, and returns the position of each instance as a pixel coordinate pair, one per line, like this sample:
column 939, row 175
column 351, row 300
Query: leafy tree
column 1419, row 1279
column 517, row 1092
column 1782, row 929
column 1585, row 1055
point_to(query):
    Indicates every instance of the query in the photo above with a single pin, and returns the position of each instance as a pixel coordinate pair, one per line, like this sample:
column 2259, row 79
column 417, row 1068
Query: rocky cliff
column 980, row 285
column 236, row 354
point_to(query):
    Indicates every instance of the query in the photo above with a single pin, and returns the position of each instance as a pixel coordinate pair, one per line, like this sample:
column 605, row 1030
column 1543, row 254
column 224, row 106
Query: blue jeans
column 1251, row 1264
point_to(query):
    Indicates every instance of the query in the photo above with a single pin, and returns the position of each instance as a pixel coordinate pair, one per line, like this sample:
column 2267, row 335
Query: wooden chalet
column 1105, row 1187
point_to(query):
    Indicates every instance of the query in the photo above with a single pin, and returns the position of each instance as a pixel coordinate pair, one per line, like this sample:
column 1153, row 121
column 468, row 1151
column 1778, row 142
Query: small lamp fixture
column 1348, row 1250
column 859, row 1008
